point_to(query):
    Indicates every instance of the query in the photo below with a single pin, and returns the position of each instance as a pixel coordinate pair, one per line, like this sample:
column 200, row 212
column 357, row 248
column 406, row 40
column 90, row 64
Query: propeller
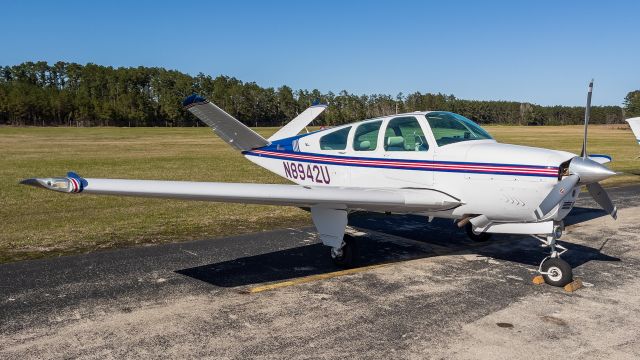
column 581, row 171
column 602, row 198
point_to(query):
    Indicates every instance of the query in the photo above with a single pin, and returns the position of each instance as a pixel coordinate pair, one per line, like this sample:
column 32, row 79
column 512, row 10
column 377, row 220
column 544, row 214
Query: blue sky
column 538, row 51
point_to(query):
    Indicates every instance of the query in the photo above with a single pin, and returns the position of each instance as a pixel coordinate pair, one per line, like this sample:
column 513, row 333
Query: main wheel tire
column 482, row 237
column 557, row 272
column 347, row 258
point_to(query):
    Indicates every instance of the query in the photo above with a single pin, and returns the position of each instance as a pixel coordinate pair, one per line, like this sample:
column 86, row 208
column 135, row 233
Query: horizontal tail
column 298, row 123
column 232, row 131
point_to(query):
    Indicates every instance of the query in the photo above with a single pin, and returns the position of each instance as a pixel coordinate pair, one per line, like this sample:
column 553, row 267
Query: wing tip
column 193, row 99
column 601, row 158
column 31, row 182
column 73, row 183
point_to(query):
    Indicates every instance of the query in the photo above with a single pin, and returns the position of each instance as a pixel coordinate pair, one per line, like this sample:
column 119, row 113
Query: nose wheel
column 556, row 272
column 344, row 256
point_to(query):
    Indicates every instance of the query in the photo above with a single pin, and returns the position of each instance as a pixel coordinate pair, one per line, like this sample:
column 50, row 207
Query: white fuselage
column 502, row 181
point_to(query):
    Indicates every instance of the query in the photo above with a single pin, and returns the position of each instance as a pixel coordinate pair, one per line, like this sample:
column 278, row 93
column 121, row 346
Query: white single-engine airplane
column 432, row 163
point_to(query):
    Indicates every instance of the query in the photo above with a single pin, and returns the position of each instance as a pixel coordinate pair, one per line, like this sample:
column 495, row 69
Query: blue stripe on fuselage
column 284, row 145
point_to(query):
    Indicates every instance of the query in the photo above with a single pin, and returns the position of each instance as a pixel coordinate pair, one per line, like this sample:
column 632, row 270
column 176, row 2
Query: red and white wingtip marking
column 74, row 185
column 66, row 184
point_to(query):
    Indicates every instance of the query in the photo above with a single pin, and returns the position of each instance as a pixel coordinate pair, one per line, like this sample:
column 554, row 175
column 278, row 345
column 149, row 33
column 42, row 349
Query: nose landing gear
column 554, row 270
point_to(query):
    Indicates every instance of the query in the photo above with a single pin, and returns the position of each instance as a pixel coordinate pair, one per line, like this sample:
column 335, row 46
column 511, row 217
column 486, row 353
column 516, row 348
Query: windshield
column 449, row 128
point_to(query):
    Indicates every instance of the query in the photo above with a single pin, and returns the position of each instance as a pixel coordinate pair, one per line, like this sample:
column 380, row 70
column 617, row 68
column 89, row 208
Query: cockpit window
column 336, row 140
column 405, row 134
column 449, row 128
column 366, row 136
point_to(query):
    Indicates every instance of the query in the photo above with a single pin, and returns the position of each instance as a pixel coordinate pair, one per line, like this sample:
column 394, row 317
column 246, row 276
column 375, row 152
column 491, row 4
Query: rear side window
column 405, row 134
column 336, row 140
column 366, row 137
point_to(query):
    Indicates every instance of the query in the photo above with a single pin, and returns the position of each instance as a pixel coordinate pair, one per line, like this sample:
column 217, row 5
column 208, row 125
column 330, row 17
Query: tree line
column 70, row 94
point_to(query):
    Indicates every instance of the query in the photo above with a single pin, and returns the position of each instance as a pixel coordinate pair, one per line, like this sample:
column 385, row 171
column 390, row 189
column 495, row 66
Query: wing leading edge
column 268, row 194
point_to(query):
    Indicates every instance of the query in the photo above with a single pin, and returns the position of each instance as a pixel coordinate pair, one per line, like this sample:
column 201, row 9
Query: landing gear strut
column 554, row 270
column 482, row 237
column 345, row 255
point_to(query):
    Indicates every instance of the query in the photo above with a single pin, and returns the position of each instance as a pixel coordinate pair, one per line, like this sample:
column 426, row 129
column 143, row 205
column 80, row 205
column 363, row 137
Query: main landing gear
column 554, row 270
column 481, row 237
column 345, row 255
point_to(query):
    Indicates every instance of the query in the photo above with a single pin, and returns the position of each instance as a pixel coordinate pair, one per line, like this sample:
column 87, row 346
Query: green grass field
column 38, row 223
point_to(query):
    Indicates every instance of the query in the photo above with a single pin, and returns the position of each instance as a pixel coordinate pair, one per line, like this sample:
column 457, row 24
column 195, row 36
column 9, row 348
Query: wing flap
column 267, row 194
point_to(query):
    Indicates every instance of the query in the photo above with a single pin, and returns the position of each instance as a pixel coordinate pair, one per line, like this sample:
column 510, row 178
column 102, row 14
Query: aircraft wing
column 600, row 158
column 298, row 123
column 635, row 127
column 268, row 194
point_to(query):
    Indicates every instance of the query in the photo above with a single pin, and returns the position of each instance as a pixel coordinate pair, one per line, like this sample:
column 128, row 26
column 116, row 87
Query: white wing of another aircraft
column 635, row 127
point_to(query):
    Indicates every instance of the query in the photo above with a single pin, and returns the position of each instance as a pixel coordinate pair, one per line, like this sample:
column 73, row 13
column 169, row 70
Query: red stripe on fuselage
column 516, row 169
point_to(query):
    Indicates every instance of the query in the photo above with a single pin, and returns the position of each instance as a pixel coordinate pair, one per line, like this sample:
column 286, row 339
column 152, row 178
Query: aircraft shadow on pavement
column 581, row 214
column 382, row 246
column 296, row 262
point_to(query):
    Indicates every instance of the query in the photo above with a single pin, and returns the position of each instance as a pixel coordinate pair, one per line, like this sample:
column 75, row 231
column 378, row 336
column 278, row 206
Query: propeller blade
column 598, row 194
column 587, row 112
column 556, row 194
